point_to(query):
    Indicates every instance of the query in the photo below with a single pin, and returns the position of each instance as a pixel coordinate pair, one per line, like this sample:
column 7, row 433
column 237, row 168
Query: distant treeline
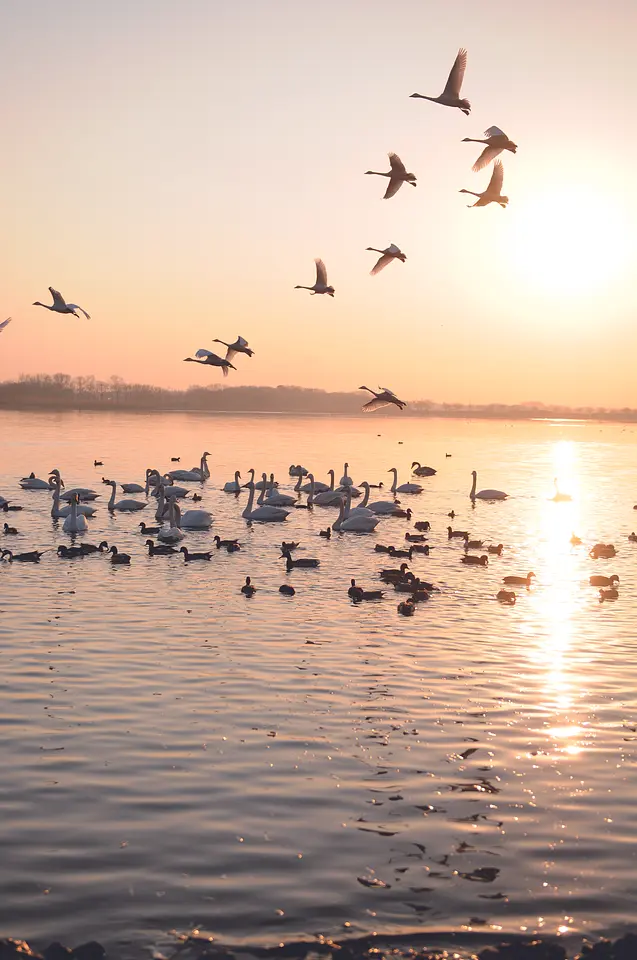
column 63, row 392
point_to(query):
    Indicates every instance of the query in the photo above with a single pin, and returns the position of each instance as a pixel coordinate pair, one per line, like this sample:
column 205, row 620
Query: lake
column 176, row 755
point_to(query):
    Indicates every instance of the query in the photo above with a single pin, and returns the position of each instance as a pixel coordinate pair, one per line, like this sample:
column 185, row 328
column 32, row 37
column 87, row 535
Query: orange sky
column 174, row 167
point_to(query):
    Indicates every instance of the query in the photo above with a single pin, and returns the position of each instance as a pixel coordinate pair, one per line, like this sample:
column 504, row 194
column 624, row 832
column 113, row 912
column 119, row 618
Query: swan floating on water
column 75, row 522
column 353, row 524
column 560, row 497
column 262, row 514
column 485, row 494
column 404, row 487
column 59, row 513
column 123, row 506
column 233, row 486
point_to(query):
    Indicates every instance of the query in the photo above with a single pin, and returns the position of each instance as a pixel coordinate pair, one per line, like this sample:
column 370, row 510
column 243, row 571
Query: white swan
column 233, row 486
column 321, row 281
column 161, row 513
column 354, row 524
column 59, row 513
column 346, row 480
column 493, row 193
column 329, row 497
column 132, row 488
column 496, row 141
column 83, row 493
column 379, row 507
column 125, row 506
column 450, row 96
column 190, row 519
column 560, row 497
column 262, row 514
column 397, row 176
column 392, row 252
column 276, row 499
column 404, row 487
column 59, row 305
column 171, row 490
column 75, row 522
column 153, row 479
column 362, row 510
column 319, row 486
column 198, row 474
column 485, row 494
column 34, row 483
column 170, row 532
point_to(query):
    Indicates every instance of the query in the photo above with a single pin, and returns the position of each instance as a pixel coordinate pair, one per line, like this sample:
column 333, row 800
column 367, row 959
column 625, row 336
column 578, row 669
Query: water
column 175, row 755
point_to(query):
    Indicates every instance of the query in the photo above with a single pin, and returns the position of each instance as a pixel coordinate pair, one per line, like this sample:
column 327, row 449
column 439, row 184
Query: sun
column 568, row 242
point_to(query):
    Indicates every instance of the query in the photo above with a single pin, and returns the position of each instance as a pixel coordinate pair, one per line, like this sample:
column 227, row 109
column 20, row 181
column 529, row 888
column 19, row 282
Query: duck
column 411, row 583
column 420, row 596
column 194, row 556
column 148, row 531
column 420, row 471
column 98, row 463
column 520, row 581
column 89, row 548
column 7, row 507
column 9, row 531
column 415, row 537
column 473, row 544
column 405, row 514
column 412, row 488
column 263, row 514
column 401, row 553
column 248, row 589
column 175, row 459
column 289, row 546
column 611, row 594
column 70, row 553
column 381, row 548
column 558, row 496
column 422, row 525
column 407, row 608
column 599, row 581
column 303, row 562
column 495, row 549
column 456, row 534
column 159, row 549
column 233, row 486
column 421, row 548
column 357, row 593
column 224, row 543
column 326, row 534
column 452, row 514
column 475, row 561
column 506, row 596
column 393, row 574
column 197, row 498
column 123, row 506
column 602, row 551
column 233, row 547
column 287, row 590
column 117, row 558
column 631, row 536
column 485, row 494
column 75, row 522
column 33, row 556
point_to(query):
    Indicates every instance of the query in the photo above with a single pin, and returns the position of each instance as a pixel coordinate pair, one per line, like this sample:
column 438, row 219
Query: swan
column 321, row 281
column 298, row 470
column 319, row 486
column 211, row 359
column 382, row 399
column 450, row 96
column 233, row 486
column 260, row 484
column 362, row 510
column 558, row 496
column 404, row 487
column 239, row 346
column 132, row 488
column 329, row 497
column 198, row 474
column 153, row 479
column 75, row 522
column 485, row 494
column 496, row 141
column 392, row 252
column 170, row 532
column 191, row 519
column 397, row 176
column 264, row 514
column 59, row 513
column 82, row 493
column 59, row 305
column 346, row 480
column 171, row 491
column 161, row 512
column 493, row 193
column 353, row 524
column 34, row 483
column 420, row 471
column 276, row 499
column 127, row 506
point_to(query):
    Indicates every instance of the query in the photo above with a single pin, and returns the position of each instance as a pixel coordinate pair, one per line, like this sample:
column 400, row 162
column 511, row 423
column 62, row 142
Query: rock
column 89, row 951
column 623, row 949
column 57, row 951
column 533, row 950
column 11, row 949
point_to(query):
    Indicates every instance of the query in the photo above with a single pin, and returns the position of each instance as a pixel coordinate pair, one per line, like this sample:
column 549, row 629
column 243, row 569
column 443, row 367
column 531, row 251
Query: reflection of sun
column 568, row 241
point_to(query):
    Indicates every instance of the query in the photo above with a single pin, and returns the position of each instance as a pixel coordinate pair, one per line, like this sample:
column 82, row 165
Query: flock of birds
column 163, row 492
column 495, row 141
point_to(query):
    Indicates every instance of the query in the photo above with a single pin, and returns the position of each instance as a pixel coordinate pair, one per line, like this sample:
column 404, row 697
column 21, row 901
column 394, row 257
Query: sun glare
column 569, row 242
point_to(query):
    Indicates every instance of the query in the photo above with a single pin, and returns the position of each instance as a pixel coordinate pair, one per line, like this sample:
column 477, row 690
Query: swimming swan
column 125, row 506
column 262, row 514
column 485, row 494
column 404, row 487
column 75, row 522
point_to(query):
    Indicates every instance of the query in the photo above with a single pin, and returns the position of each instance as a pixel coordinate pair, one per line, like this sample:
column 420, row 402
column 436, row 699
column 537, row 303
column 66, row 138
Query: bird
column 5, row 324
column 92, row 548
column 34, row 483
column 357, row 593
column 422, row 525
column 225, row 543
column 118, row 558
column 576, row 541
column 191, row 519
column 302, row 562
column 420, row 471
column 194, row 556
column 59, row 305
column 382, row 399
column 611, row 594
column 447, row 455
column 450, row 96
column 287, row 590
column 247, row 589
column 70, row 553
column 10, row 507
column 520, row 581
column 475, row 561
column 263, row 514
column 357, row 523
column 473, row 544
column 125, row 506
column 393, row 574
column 421, row 548
column 496, row 141
column 407, row 608
column 558, row 496
column 452, row 514
column 415, row 537
column 485, row 494
column 495, row 548
column 493, row 193
column 98, row 463
column 321, row 285
column 456, row 534
column 326, row 534
column 631, row 536
column 239, row 346
column 148, row 531
column 397, row 176
column 393, row 552
column 404, row 487
column 9, row 531
column 159, row 549
column 599, row 581
column 233, row 486
column 33, row 556
column 289, row 546
column 602, row 551
column 211, row 360
column 506, row 596
column 392, row 252
column 75, row 522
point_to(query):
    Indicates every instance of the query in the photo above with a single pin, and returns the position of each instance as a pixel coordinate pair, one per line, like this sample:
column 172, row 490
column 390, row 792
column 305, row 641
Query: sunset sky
column 174, row 166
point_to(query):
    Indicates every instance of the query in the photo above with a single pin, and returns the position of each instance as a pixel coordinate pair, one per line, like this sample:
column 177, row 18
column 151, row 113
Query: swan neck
column 248, row 509
column 472, row 495
column 111, row 502
column 366, row 497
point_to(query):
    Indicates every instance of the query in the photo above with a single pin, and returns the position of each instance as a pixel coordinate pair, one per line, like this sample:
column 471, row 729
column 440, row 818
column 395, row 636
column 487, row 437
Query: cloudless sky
column 174, row 166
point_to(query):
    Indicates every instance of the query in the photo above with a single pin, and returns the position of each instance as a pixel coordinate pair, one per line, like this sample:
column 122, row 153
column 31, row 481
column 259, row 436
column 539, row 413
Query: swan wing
column 321, row 273
column 485, row 158
column 5, row 323
column 393, row 249
column 241, row 342
column 497, row 178
column 374, row 404
column 58, row 299
column 396, row 164
column 394, row 185
column 387, row 390
column 381, row 263
column 454, row 83
column 495, row 132
column 75, row 306
column 205, row 353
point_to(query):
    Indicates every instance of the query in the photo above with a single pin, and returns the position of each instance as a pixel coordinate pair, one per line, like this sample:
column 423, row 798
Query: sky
column 175, row 166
